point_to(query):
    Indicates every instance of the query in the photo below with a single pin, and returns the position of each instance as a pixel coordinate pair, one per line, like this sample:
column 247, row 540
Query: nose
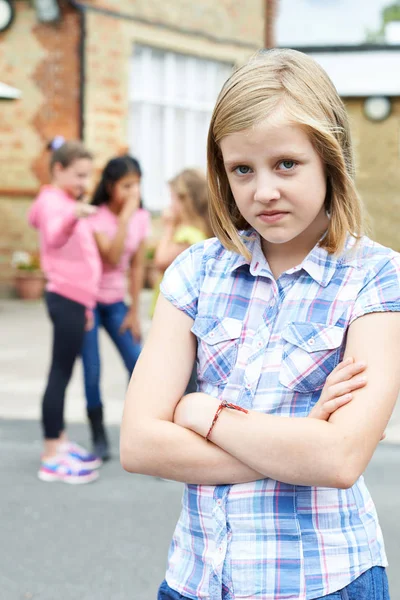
column 267, row 188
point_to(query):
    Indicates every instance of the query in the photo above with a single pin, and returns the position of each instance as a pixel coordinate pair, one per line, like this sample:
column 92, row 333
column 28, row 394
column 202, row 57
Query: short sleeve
column 182, row 280
column 188, row 235
column 381, row 291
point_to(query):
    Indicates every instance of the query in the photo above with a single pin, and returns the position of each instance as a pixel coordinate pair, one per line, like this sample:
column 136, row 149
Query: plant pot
column 29, row 285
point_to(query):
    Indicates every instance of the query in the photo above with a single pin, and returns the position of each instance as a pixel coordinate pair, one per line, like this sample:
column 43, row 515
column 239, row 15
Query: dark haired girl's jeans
column 109, row 316
column 371, row 585
column 68, row 319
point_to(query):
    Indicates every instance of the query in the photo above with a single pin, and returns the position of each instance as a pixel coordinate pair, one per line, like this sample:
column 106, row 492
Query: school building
column 122, row 75
column 143, row 76
column 366, row 79
column 358, row 44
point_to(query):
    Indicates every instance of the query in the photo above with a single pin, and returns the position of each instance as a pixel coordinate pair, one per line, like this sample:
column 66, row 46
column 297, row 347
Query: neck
column 282, row 257
column 60, row 187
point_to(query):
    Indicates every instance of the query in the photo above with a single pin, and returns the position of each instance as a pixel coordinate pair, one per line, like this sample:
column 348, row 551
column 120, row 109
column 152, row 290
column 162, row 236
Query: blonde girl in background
column 294, row 317
column 185, row 222
column 72, row 267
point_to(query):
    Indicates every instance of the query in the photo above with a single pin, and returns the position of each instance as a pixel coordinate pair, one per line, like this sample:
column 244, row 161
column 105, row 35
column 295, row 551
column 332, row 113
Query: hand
column 131, row 205
column 89, row 323
column 132, row 323
column 84, row 210
column 196, row 412
column 170, row 219
column 337, row 391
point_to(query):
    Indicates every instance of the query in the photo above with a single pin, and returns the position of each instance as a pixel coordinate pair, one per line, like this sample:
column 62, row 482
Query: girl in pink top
column 120, row 228
column 72, row 267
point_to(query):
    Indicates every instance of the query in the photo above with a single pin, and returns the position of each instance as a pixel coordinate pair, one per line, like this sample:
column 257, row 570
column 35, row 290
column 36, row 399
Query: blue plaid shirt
column 269, row 345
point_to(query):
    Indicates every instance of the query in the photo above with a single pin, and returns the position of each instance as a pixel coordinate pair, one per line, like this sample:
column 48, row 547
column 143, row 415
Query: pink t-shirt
column 68, row 252
column 112, row 286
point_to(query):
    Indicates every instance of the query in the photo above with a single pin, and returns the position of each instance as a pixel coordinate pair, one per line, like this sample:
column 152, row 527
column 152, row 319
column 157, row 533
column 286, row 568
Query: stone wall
column 377, row 152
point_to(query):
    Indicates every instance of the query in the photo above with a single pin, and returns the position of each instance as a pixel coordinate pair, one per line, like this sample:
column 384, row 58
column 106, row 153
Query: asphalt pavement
column 107, row 540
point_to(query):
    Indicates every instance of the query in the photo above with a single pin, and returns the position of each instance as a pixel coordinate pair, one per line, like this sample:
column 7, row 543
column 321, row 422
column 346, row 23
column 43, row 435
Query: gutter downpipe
column 81, row 9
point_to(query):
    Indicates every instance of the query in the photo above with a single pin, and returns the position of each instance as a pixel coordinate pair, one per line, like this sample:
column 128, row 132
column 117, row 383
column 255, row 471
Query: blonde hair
column 190, row 185
column 294, row 82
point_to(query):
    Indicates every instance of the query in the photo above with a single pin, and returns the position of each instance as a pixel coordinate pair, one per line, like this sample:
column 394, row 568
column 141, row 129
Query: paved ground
column 24, row 360
column 104, row 541
column 108, row 540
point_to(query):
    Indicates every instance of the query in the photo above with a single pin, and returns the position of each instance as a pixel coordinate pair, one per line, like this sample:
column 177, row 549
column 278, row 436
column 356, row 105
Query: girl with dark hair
column 120, row 228
column 72, row 267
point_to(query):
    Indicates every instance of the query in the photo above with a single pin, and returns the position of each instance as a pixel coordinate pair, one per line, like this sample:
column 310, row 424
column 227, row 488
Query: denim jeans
column 371, row 585
column 109, row 316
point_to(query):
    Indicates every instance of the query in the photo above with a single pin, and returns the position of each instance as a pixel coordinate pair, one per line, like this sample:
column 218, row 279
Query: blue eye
column 287, row 165
column 242, row 170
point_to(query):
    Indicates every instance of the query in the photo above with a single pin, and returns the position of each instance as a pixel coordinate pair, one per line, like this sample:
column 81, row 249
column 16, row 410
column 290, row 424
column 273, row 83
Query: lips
column 272, row 216
column 272, row 213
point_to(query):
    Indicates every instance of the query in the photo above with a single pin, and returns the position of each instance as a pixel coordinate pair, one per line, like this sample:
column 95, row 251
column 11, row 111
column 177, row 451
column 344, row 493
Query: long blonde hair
column 190, row 185
column 296, row 83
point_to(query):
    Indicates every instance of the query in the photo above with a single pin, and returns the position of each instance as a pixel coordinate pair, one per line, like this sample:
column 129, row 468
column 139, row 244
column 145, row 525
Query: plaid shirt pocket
column 310, row 353
column 218, row 342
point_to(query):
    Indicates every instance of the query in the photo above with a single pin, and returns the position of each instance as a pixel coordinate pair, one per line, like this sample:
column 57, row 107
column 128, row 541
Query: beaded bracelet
column 224, row 404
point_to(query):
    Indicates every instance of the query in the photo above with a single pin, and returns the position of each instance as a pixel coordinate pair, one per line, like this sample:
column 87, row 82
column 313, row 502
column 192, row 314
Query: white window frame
column 175, row 89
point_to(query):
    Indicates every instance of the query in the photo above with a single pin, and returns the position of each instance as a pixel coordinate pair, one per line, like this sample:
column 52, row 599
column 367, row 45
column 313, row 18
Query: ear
column 57, row 168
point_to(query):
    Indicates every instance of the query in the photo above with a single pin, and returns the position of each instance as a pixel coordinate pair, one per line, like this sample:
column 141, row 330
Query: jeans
column 371, row 585
column 68, row 319
column 109, row 316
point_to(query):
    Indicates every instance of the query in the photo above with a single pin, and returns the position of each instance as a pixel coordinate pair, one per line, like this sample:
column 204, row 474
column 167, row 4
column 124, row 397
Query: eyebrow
column 278, row 156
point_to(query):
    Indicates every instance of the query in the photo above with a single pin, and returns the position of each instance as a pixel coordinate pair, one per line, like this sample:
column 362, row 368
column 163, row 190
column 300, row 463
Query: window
column 171, row 100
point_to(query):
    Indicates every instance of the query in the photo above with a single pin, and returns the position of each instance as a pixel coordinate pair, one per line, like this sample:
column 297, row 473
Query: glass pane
column 146, row 145
column 174, row 96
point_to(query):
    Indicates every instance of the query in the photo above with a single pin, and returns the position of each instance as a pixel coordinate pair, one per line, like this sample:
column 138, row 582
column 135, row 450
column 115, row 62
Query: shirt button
column 248, row 386
column 219, row 502
column 259, row 344
column 212, row 334
column 273, row 302
column 311, row 342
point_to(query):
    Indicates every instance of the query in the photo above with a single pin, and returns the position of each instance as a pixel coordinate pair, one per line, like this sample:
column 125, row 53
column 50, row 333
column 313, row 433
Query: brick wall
column 240, row 22
column 42, row 61
column 110, row 46
column 378, row 170
column 47, row 73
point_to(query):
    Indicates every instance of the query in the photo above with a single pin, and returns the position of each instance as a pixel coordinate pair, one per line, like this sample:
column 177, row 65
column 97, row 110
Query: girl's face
column 75, row 178
column 177, row 207
column 125, row 190
column 278, row 182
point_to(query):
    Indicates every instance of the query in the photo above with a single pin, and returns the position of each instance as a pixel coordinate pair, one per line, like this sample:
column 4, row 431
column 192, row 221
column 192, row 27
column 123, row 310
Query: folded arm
column 150, row 442
column 331, row 453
